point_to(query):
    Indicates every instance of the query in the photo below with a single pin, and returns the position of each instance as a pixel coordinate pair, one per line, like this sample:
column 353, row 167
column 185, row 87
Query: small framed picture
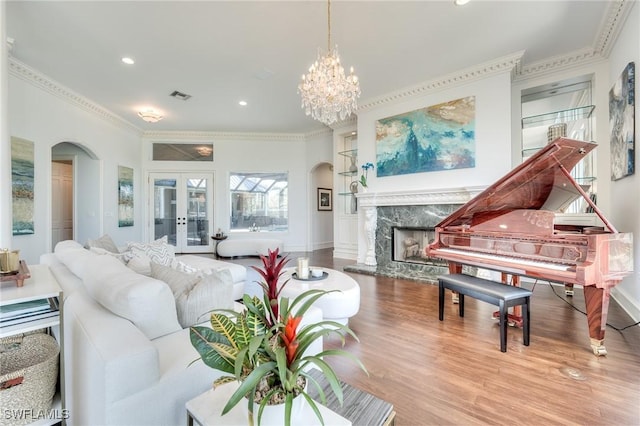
column 325, row 199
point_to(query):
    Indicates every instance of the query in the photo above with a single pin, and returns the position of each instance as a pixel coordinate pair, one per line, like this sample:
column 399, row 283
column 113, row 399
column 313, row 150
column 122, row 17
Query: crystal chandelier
column 326, row 92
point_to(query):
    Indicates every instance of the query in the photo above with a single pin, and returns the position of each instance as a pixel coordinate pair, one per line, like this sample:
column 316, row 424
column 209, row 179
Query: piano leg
column 568, row 289
column 455, row 268
column 597, row 304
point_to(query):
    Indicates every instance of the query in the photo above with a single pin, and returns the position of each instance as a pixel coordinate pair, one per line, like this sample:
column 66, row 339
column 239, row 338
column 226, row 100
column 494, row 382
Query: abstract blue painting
column 622, row 124
column 439, row 137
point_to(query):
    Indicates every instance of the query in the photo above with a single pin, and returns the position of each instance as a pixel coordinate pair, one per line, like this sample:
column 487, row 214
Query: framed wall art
column 622, row 124
column 125, row 196
column 438, row 137
column 325, row 199
column 22, row 194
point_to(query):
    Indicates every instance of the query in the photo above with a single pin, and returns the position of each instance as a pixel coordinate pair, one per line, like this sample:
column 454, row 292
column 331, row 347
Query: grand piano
column 511, row 227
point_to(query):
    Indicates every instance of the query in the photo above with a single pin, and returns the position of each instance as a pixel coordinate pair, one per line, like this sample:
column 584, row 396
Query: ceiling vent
column 180, row 95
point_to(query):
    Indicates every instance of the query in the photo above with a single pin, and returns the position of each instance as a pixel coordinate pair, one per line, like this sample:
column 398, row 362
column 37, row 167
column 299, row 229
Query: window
column 259, row 201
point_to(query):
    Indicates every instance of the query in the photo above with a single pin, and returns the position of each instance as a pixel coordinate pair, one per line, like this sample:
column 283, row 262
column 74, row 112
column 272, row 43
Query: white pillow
column 104, row 252
column 158, row 251
column 196, row 295
column 146, row 302
column 140, row 264
column 105, row 242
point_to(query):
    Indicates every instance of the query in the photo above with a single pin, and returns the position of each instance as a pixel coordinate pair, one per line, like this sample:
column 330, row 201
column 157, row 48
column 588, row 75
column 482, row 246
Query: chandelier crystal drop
column 327, row 93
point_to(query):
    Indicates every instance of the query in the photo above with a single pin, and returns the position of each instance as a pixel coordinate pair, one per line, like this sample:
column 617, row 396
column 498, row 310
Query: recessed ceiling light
column 461, row 2
column 128, row 61
column 242, row 103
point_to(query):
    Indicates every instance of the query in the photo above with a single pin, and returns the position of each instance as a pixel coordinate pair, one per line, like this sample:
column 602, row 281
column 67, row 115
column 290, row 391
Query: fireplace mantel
column 419, row 198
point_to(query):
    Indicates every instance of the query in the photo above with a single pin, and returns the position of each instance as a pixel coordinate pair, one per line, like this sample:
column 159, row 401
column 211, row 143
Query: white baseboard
column 629, row 305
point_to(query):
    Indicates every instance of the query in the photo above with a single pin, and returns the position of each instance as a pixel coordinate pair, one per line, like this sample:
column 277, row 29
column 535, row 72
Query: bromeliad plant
column 264, row 347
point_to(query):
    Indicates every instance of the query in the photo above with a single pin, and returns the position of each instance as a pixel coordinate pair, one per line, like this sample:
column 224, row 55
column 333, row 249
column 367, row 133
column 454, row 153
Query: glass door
column 182, row 209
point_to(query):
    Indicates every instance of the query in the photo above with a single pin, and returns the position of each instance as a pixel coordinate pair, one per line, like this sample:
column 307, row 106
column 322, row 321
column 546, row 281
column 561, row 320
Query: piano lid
column 538, row 183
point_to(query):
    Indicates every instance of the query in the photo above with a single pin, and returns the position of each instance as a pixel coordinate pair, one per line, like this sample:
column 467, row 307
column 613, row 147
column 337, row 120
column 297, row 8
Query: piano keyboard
column 511, row 260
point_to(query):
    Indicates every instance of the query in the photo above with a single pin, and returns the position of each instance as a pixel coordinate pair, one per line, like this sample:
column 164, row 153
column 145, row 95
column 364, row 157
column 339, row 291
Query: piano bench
column 502, row 295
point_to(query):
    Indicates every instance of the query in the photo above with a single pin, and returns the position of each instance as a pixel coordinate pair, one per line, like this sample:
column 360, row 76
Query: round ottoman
column 338, row 306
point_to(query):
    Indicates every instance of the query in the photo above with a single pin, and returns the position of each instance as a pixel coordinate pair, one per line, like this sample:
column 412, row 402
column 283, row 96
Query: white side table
column 206, row 410
column 41, row 285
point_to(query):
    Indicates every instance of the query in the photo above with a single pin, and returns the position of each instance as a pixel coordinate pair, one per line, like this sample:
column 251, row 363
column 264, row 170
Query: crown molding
column 170, row 135
column 558, row 63
column 39, row 80
column 326, row 131
column 497, row 66
column 600, row 50
column 419, row 198
column 611, row 26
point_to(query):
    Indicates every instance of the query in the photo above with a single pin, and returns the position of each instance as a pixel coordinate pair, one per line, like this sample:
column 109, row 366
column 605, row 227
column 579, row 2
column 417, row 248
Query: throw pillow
column 105, row 242
column 196, row 295
column 158, row 251
column 103, row 252
column 140, row 263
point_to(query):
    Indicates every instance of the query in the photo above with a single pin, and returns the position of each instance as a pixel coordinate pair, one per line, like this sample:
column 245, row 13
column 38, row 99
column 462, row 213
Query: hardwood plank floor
column 453, row 373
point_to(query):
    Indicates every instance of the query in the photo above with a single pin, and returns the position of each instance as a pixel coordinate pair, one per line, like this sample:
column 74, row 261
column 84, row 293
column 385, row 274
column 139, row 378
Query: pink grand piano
column 510, row 228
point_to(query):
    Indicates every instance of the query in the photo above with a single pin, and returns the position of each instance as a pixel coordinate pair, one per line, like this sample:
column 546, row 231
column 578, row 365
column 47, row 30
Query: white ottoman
column 248, row 247
column 338, row 306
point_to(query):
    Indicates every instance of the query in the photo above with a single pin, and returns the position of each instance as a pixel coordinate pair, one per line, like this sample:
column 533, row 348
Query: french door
column 182, row 209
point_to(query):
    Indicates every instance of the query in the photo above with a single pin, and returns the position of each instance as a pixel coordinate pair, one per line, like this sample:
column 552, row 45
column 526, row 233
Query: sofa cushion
column 196, row 294
column 146, row 302
column 75, row 257
column 105, row 242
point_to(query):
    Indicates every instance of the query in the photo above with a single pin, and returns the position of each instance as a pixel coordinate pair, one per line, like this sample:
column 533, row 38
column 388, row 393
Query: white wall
column 492, row 138
column 293, row 154
column 46, row 119
column 625, row 193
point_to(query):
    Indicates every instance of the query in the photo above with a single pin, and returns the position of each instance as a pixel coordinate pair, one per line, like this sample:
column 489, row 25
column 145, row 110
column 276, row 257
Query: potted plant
column 365, row 173
column 263, row 347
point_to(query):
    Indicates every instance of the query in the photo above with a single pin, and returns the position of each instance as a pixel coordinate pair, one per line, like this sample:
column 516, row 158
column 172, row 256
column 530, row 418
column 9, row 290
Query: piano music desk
column 503, row 296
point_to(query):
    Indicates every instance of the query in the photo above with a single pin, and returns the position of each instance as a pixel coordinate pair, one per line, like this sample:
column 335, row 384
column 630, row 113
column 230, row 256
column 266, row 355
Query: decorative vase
column 273, row 415
column 353, row 168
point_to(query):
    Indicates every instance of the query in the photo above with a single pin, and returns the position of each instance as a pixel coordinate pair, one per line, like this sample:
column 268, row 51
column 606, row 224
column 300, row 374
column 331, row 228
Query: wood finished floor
column 453, row 373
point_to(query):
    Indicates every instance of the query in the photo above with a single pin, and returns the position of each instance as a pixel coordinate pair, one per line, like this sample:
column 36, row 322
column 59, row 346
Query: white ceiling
column 223, row 52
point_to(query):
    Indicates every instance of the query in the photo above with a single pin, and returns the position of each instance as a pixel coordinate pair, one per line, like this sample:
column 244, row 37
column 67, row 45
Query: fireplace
column 409, row 244
column 385, row 216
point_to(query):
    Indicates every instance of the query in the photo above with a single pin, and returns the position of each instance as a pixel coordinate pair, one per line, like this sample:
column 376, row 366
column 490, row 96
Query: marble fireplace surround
column 381, row 211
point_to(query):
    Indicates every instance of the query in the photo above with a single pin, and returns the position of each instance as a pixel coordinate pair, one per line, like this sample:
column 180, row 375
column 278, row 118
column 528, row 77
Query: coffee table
column 359, row 409
column 338, row 306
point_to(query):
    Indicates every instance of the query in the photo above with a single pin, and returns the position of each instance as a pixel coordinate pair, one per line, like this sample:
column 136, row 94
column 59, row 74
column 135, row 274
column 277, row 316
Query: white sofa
column 127, row 361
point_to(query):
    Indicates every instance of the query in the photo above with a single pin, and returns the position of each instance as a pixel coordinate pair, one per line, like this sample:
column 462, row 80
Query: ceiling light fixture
column 326, row 92
column 128, row 61
column 461, row 2
column 150, row 116
column 242, row 103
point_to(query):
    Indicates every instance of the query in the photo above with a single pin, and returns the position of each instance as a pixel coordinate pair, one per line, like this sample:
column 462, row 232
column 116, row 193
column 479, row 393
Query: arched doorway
column 321, row 220
column 75, row 202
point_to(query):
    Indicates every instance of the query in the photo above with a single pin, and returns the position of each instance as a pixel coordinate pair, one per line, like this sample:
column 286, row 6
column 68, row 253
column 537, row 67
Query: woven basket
column 28, row 377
